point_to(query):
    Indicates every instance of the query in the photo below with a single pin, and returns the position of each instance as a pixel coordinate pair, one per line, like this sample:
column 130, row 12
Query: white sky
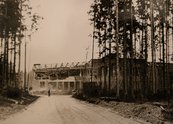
column 63, row 34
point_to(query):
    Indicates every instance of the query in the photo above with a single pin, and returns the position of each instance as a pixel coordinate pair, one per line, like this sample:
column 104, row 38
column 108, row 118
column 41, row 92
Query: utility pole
column 92, row 50
column 87, row 54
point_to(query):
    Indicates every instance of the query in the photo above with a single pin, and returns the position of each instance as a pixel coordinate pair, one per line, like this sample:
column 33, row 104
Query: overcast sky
column 63, row 34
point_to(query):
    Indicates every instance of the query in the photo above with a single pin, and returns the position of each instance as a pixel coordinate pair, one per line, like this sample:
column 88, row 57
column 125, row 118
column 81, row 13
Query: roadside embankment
column 153, row 112
column 9, row 106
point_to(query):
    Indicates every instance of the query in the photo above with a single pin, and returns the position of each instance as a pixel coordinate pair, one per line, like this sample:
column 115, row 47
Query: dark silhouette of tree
column 136, row 30
column 13, row 14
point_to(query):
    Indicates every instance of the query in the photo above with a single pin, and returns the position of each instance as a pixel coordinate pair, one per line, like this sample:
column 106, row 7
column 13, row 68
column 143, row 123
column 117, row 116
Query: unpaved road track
column 65, row 110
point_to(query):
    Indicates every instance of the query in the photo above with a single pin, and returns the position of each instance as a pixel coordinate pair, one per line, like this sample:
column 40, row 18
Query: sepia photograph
column 86, row 61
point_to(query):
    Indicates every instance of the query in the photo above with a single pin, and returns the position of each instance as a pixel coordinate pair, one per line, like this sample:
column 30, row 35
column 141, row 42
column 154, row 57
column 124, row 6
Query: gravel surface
column 67, row 110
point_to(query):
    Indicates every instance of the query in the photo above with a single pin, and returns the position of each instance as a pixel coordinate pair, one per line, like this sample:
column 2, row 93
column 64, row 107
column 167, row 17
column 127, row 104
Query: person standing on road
column 49, row 87
column 49, row 92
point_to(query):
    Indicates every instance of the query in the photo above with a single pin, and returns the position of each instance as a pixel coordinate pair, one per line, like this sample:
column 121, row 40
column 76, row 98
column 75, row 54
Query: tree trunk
column 152, row 46
column 132, row 54
column 125, row 54
column 14, row 62
column 117, row 51
column 109, row 82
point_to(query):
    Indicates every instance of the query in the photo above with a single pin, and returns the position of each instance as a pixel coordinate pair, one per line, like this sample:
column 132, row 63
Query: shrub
column 13, row 92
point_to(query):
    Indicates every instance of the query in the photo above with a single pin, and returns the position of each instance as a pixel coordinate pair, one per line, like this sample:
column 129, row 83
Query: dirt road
column 65, row 110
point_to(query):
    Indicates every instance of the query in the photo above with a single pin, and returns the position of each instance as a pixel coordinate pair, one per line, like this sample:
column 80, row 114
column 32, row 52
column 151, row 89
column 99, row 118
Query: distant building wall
column 64, row 86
